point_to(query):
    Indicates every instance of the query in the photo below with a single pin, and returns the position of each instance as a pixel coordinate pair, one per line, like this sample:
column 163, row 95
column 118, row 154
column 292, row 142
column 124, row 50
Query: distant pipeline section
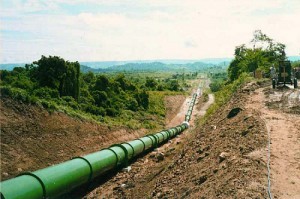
column 59, row 179
column 188, row 115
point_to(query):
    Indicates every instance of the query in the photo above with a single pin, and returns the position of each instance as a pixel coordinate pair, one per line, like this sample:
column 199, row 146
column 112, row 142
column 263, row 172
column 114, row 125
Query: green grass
column 224, row 95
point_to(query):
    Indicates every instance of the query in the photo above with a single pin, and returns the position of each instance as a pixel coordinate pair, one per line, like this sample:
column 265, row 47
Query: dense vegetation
column 218, row 80
column 263, row 54
column 58, row 84
column 296, row 64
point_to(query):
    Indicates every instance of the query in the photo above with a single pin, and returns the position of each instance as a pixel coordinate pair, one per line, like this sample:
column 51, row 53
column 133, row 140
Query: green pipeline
column 188, row 115
column 56, row 180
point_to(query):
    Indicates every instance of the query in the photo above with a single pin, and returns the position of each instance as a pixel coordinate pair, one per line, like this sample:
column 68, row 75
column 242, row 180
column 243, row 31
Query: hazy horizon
column 133, row 61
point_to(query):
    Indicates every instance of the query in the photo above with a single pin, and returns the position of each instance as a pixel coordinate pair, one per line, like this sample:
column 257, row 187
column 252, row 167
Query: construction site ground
column 224, row 157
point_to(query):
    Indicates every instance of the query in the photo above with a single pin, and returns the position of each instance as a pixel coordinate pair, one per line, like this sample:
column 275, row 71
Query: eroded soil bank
column 224, row 158
column 32, row 138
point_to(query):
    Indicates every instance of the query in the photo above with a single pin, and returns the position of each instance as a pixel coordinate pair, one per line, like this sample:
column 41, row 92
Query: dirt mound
column 32, row 138
column 225, row 158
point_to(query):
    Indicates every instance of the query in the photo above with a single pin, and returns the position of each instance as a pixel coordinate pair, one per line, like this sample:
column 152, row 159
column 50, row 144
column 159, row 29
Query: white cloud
column 164, row 29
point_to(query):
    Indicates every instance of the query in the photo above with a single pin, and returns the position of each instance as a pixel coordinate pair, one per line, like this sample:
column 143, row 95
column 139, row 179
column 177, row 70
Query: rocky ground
column 224, row 158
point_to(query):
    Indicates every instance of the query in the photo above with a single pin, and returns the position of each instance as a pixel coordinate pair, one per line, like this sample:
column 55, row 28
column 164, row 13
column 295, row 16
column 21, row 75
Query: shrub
column 112, row 112
column 100, row 97
column 15, row 93
column 205, row 96
column 46, row 93
column 23, row 83
column 224, row 95
column 216, row 85
column 132, row 104
column 93, row 109
column 48, row 105
column 70, row 101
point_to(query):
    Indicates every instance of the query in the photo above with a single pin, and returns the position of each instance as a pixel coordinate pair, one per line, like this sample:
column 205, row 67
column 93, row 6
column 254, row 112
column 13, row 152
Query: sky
column 119, row 30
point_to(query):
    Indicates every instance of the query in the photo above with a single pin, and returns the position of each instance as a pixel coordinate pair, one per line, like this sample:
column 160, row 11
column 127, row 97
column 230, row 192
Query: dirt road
column 203, row 109
column 180, row 117
column 280, row 110
column 143, row 173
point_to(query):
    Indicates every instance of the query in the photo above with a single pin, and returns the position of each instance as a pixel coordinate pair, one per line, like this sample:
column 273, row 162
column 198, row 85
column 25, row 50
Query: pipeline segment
column 190, row 109
column 56, row 180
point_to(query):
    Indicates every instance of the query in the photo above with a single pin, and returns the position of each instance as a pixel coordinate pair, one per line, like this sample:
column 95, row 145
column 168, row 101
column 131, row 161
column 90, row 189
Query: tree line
column 54, row 80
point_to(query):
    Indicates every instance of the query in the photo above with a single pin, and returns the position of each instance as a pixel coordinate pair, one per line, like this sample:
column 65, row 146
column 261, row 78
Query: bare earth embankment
column 224, row 158
column 32, row 138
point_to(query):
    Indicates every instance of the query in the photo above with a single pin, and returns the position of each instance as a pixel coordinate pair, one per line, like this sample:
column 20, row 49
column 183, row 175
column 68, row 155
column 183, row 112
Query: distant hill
column 11, row 66
column 294, row 58
column 109, row 64
column 147, row 65
column 102, row 64
column 151, row 67
column 86, row 69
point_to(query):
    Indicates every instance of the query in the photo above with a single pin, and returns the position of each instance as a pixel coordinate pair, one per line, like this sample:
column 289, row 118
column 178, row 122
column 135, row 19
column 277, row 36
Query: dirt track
column 224, row 158
column 276, row 108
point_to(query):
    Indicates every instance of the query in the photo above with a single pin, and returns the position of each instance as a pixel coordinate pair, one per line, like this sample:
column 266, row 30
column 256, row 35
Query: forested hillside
column 57, row 84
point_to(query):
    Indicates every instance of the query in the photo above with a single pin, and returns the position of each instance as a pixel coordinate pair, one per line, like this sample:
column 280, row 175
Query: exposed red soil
column 32, row 138
column 173, row 105
column 224, row 158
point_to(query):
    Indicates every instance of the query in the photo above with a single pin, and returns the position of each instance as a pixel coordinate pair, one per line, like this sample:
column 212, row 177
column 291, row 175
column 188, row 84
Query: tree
column 263, row 54
column 174, row 85
column 143, row 99
column 88, row 77
column 54, row 72
column 71, row 82
column 151, row 83
column 122, row 81
column 102, row 83
column 100, row 98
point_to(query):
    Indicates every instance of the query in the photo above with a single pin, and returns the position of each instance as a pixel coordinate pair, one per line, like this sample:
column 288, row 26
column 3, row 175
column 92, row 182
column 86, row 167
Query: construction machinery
column 284, row 75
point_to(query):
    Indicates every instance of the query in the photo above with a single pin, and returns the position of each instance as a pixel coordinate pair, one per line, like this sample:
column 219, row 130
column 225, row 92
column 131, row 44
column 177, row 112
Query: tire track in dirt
column 285, row 144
